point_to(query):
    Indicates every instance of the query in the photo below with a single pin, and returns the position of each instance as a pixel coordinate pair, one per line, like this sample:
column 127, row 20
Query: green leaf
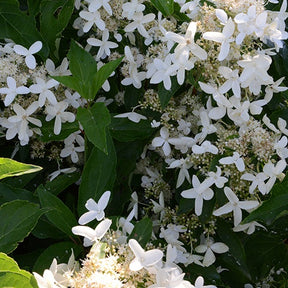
column 84, row 70
column 98, row 175
column 34, row 6
column 9, row 193
column 55, row 15
column 19, row 27
column 142, row 231
column 48, row 131
column 165, row 95
column 104, row 72
column 12, row 276
column 85, row 79
column 94, row 121
column 273, row 207
column 18, row 218
column 185, row 206
column 124, row 130
column 45, row 229
column 10, row 168
column 235, row 258
column 58, row 213
column 166, row 7
column 62, row 182
column 61, row 251
column 263, row 253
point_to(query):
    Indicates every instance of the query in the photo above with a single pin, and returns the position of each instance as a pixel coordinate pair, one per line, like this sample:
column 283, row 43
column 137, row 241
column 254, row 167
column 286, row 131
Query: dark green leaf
column 34, row 6
column 142, row 231
column 165, row 95
column 48, row 128
column 62, row 182
column 166, row 7
column 18, row 218
column 58, row 213
column 124, row 130
column 104, row 72
column 61, row 251
column 84, row 70
column 94, row 121
column 235, row 258
column 208, row 207
column 55, row 15
column 19, row 27
column 98, row 175
column 132, row 96
column 273, row 207
column 10, row 168
column 9, row 193
column 210, row 274
column 264, row 252
column 12, row 276
column 185, row 205
column 45, row 229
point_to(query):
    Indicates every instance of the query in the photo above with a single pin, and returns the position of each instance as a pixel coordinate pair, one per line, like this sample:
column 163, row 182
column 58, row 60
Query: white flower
column 96, row 210
column 132, row 116
column 163, row 141
column 135, row 76
column 206, row 147
column 138, row 23
column 235, row 159
column 132, row 7
column 92, row 235
column 170, row 277
column 12, row 91
column 28, row 53
column 56, row 173
column 181, row 64
column 57, row 112
column 274, row 172
column 155, row 124
column 274, row 88
column 47, row 281
column 199, row 283
column 104, row 45
column 143, row 259
column 186, row 43
column 97, row 4
column 92, row 18
column 248, row 228
column 217, row 179
column 250, row 23
column 184, row 165
column 42, row 88
column 208, row 247
column 199, row 192
column 61, row 70
column 257, row 180
column 217, row 94
column 235, row 205
column 224, row 38
column 22, row 119
column 159, row 207
column 162, row 71
column 171, row 234
column 73, row 99
column 232, row 82
column 134, row 204
column 71, row 149
column 255, row 73
column 125, row 224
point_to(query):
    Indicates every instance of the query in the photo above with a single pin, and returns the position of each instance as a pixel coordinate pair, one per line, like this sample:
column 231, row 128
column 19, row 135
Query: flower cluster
column 202, row 81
